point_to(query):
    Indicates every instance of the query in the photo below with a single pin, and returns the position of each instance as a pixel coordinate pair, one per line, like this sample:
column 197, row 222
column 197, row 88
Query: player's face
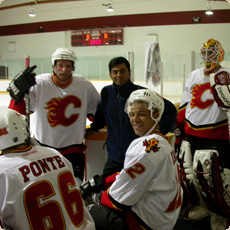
column 63, row 70
column 140, row 118
column 210, row 58
column 120, row 74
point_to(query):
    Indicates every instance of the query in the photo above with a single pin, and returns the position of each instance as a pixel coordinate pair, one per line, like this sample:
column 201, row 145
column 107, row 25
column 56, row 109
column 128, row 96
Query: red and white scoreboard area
column 97, row 37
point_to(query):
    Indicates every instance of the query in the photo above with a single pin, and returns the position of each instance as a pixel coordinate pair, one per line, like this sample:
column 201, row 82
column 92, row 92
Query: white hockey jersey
column 58, row 109
column 198, row 109
column 38, row 191
column 149, row 182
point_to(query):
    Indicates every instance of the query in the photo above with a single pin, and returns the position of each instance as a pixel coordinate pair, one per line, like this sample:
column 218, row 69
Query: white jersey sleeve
column 149, row 182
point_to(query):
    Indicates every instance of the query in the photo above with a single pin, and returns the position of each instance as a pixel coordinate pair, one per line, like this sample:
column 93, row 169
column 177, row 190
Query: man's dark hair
column 117, row 61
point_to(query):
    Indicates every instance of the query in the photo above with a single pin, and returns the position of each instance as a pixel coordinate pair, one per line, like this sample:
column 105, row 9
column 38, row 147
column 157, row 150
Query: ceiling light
column 209, row 9
column 32, row 14
column 209, row 12
column 109, row 7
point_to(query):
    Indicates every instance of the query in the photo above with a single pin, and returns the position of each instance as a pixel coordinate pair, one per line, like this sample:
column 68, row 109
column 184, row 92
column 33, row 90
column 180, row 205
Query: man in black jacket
column 111, row 113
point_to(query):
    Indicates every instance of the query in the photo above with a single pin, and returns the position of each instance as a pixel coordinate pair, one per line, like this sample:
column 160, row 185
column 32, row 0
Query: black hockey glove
column 179, row 133
column 91, row 186
column 21, row 83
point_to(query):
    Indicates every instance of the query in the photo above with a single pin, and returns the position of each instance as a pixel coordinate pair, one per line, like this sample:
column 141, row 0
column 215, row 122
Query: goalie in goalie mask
column 204, row 126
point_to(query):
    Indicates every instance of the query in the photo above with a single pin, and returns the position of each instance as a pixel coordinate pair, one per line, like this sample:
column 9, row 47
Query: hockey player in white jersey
column 146, row 194
column 37, row 187
column 60, row 103
column 203, row 127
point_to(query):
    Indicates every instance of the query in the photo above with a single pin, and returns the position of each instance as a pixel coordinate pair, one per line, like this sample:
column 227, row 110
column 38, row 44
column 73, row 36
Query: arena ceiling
column 29, row 3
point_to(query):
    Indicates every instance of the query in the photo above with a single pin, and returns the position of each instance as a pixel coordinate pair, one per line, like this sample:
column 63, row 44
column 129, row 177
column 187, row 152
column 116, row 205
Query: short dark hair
column 55, row 62
column 117, row 61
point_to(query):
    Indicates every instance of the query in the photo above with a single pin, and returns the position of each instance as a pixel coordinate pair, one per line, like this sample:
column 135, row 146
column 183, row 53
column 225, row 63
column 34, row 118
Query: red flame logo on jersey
column 3, row 131
column 56, row 110
column 151, row 145
column 199, row 99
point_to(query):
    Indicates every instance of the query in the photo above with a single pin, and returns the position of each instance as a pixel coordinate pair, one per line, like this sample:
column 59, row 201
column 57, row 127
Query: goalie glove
column 220, row 86
column 21, row 83
column 91, row 186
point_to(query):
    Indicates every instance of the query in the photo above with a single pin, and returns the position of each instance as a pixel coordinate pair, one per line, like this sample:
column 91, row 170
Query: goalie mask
column 212, row 54
column 64, row 54
column 13, row 129
column 220, row 85
column 153, row 100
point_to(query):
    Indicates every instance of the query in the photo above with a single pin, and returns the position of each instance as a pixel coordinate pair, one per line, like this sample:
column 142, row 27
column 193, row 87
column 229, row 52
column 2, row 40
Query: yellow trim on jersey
column 62, row 86
column 205, row 128
column 182, row 107
column 21, row 150
column 115, row 207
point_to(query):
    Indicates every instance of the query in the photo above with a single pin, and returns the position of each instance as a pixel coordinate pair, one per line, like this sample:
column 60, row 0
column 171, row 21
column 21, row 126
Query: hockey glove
column 91, row 186
column 178, row 141
column 179, row 133
column 21, row 83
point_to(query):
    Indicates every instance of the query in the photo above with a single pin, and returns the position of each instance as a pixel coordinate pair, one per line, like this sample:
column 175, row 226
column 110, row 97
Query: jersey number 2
column 44, row 213
column 137, row 169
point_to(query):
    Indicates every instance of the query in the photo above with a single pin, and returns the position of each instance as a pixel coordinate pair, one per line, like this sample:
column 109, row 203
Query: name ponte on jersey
column 39, row 167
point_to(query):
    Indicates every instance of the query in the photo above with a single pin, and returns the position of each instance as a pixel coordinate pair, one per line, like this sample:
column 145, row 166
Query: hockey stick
column 27, row 102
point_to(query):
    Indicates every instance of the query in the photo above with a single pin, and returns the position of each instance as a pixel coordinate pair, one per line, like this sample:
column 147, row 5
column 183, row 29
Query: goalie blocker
column 220, row 85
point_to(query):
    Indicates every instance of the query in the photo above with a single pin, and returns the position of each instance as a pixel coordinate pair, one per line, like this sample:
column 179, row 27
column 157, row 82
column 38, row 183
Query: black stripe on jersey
column 208, row 126
column 182, row 106
column 117, row 204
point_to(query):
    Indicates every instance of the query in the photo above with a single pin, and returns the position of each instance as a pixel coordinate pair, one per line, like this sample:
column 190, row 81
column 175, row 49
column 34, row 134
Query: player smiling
column 146, row 194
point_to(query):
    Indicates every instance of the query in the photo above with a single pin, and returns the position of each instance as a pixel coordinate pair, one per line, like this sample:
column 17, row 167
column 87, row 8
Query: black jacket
column 111, row 113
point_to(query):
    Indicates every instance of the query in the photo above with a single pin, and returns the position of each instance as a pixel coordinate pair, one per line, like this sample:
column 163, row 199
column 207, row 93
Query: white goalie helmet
column 13, row 129
column 153, row 100
column 64, row 54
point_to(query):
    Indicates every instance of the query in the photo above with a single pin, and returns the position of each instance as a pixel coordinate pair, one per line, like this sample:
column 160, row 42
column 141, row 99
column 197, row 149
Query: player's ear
column 155, row 114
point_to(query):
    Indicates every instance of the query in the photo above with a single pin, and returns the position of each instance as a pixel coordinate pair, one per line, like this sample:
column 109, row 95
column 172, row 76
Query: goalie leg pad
column 185, row 160
column 186, row 173
column 214, row 183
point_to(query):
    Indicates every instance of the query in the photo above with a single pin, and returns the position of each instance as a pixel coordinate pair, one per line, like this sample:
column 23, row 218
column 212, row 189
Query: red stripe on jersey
column 19, row 106
column 105, row 200
column 181, row 114
column 218, row 133
column 109, row 180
